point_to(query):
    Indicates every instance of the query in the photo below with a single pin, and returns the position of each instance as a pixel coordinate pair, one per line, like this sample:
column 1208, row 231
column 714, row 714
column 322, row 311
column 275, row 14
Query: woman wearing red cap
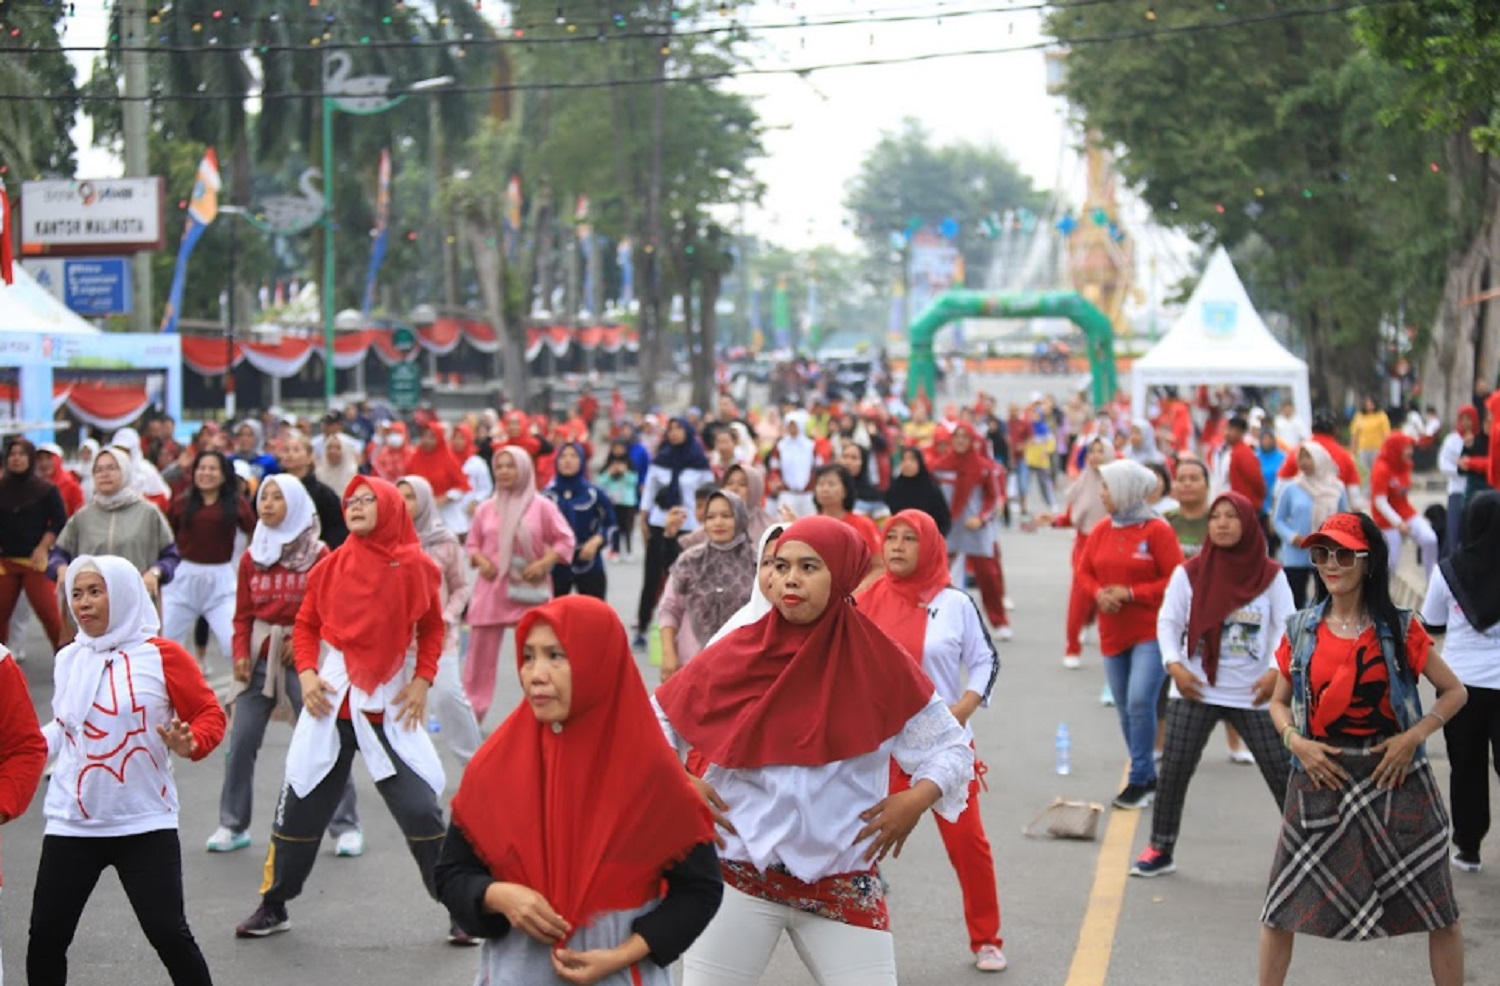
column 1219, row 624
column 1363, row 847
column 365, row 603
column 551, row 857
column 1390, row 484
column 941, row 628
column 797, row 716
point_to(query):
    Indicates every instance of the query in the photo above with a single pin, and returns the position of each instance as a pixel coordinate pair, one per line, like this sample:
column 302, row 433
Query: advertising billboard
column 90, row 286
column 91, row 216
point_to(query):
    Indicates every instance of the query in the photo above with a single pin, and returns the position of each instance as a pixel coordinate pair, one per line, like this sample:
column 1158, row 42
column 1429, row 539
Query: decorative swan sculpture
column 285, row 215
column 359, row 94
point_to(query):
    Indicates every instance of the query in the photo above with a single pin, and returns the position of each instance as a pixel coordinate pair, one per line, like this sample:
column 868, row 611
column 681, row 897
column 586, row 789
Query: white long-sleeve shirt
column 1251, row 636
column 1449, row 453
column 957, row 653
column 806, row 818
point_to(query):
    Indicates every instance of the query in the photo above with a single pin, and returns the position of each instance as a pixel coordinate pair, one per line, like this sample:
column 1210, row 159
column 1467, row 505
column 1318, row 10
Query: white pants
column 200, row 590
column 1422, row 535
column 801, row 504
column 737, row 945
column 450, row 704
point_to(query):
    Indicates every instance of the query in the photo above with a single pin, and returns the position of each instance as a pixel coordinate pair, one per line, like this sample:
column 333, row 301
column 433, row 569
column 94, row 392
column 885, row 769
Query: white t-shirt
column 957, row 653
column 1251, row 636
column 1473, row 656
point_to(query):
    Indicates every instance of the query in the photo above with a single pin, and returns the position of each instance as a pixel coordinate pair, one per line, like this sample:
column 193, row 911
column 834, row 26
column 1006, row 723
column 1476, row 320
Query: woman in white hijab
column 143, row 475
column 124, row 814
column 272, row 579
column 337, row 462
column 795, row 458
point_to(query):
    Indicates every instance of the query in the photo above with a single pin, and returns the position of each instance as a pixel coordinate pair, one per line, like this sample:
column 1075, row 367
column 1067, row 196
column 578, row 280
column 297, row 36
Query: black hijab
column 919, row 492
column 863, row 488
column 20, row 490
column 1473, row 569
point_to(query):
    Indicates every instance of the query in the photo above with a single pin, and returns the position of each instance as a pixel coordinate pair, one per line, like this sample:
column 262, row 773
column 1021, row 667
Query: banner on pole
column 202, row 208
column 381, row 232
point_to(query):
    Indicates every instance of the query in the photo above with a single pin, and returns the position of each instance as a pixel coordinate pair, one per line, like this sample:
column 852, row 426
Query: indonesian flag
column 7, row 252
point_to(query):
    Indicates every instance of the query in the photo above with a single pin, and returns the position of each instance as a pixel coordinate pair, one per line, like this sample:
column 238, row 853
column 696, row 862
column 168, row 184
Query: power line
column 717, row 75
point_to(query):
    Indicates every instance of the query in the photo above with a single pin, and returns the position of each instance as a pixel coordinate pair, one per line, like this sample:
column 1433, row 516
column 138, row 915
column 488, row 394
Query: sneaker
column 1153, row 862
column 638, row 642
column 1135, row 797
column 350, row 844
column 1072, row 662
column 1107, row 697
column 460, row 937
column 268, row 919
column 1009, row 603
column 989, row 958
column 1241, row 756
column 1086, row 635
column 227, row 840
column 1466, row 861
column 1005, row 632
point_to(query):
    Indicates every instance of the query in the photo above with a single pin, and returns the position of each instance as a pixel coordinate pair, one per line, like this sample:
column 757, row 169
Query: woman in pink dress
column 516, row 538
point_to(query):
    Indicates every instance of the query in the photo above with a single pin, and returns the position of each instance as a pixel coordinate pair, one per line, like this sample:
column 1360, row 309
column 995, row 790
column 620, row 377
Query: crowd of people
column 804, row 597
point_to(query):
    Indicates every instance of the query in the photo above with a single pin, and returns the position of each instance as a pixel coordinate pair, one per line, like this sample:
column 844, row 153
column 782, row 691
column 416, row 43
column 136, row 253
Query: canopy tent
column 1220, row 339
column 25, row 306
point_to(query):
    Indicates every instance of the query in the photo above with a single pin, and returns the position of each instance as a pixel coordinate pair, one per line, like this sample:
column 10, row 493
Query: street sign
column 403, row 340
column 90, row 286
column 406, row 385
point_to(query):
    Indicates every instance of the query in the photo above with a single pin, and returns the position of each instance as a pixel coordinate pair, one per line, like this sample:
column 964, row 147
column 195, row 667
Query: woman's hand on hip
column 1318, row 760
column 315, row 692
column 412, row 700
column 716, row 807
column 1395, row 762
column 1187, row 683
column 892, row 819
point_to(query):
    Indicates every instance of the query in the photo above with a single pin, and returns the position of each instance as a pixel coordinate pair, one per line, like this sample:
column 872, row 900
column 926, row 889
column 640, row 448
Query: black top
column 694, row 889
column 330, row 510
column 22, row 528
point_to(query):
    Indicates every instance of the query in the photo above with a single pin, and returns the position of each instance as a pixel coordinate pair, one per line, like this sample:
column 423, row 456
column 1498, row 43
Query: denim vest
column 1302, row 633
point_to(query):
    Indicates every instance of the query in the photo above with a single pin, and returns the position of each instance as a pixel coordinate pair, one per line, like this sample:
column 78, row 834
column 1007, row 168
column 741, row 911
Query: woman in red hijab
column 434, row 461
column 1390, row 506
column 966, row 474
column 942, row 630
column 1218, row 628
column 574, row 814
column 797, row 716
column 364, row 604
column 389, row 452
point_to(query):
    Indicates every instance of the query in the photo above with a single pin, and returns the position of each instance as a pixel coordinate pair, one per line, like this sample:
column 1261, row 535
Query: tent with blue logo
column 1221, row 340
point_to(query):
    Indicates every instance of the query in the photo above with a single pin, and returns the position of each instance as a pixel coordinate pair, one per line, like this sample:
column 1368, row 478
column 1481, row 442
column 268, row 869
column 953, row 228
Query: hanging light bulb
column 560, row 19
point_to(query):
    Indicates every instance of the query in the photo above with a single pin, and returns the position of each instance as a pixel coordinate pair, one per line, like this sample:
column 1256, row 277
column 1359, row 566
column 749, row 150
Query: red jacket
column 1245, row 476
column 1141, row 558
column 272, row 594
column 23, row 751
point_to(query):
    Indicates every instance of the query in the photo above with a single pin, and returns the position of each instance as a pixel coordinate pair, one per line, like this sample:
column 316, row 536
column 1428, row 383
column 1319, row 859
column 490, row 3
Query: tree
column 35, row 136
column 1449, row 55
column 1270, row 137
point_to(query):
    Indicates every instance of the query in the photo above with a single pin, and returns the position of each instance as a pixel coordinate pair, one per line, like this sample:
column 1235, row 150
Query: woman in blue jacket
column 588, row 511
column 1303, row 504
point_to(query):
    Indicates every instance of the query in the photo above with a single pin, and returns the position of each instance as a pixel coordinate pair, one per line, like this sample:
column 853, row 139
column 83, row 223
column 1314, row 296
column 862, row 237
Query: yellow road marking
column 1096, row 937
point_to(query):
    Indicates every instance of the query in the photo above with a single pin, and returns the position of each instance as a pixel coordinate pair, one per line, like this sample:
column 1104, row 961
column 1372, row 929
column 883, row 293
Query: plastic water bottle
column 1064, row 749
column 433, row 726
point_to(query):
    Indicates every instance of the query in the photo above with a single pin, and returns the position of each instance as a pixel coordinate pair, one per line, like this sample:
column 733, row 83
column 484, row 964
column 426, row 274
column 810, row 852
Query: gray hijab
column 1129, row 484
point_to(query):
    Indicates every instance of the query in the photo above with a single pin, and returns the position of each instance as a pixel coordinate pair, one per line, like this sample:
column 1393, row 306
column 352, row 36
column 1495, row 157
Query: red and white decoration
column 101, row 405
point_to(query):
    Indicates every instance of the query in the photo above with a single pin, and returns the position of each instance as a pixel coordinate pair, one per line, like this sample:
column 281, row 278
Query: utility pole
column 137, row 121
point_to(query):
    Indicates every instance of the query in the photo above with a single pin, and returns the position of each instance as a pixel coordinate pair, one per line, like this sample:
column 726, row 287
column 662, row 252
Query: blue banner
column 382, row 230
column 202, row 208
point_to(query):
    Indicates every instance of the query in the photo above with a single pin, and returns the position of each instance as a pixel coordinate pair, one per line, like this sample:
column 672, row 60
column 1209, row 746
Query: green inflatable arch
column 921, row 373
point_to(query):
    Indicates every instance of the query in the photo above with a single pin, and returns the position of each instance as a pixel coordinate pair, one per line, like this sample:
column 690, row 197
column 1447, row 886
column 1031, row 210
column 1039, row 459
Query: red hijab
column 1393, row 454
column 775, row 692
column 588, row 816
column 440, row 466
column 371, row 591
column 465, row 434
column 899, row 605
column 1224, row 579
column 972, row 468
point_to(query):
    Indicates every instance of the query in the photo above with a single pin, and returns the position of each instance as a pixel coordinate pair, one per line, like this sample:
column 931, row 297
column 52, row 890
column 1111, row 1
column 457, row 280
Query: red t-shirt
column 1140, row 557
column 1348, row 689
column 1394, row 488
column 867, row 531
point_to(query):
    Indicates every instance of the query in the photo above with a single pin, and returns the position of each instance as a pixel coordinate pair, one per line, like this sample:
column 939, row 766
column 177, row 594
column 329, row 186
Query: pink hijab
column 512, row 505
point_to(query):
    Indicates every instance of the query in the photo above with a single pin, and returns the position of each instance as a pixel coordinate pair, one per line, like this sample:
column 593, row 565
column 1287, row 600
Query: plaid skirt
column 1362, row 862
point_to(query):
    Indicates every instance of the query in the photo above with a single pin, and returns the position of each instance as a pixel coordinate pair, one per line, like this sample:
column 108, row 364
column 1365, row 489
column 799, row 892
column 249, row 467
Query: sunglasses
column 1342, row 557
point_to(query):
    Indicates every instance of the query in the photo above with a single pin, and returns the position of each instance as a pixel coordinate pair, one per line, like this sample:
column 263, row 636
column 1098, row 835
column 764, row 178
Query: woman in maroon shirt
column 204, row 520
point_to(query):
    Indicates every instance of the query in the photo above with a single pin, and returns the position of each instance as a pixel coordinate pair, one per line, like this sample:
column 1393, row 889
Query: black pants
column 624, row 529
column 1189, row 726
column 1297, row 577
column 1471, row 736
column 150, row 869
column 594, row 582
column 300, row 822
column 661, row 552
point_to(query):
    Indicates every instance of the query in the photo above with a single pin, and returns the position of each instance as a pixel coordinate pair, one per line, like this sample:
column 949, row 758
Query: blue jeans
column 1135, row 677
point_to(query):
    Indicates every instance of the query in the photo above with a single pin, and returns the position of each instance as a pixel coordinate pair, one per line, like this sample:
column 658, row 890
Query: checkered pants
column 1189, row 725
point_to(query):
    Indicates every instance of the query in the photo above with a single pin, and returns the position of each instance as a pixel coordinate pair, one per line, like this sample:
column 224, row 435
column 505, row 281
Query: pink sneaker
column 989, row 958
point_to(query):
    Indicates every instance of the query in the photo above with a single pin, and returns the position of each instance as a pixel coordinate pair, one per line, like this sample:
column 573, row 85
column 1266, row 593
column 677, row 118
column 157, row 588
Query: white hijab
column 143, row 475
column 337, row 477
column 132, row 620
column 796, row 454
column 267, row 542
column 1129, row 484
column 759, row 605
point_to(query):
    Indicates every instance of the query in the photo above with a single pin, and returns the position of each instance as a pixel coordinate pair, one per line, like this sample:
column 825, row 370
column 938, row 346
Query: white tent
column 1220, row 339
column 25, row 306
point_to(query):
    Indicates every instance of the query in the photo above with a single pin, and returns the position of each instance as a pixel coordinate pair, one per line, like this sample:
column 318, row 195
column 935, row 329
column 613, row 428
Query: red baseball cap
column 1340, row 531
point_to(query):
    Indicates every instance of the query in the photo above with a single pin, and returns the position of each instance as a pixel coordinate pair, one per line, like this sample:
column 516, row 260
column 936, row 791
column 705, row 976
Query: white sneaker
column 1241, row 756
column 1009, row 603
column 1005, row 632
column 227, row 840
column 989, row 958
column 1072, row 662
column 350, row 844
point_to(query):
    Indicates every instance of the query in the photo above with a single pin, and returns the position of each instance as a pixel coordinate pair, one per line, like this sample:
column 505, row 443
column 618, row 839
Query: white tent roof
column 1221, row 339
column 25, row 306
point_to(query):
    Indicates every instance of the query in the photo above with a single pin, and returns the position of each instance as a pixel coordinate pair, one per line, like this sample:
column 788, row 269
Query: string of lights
column 1154, row 31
